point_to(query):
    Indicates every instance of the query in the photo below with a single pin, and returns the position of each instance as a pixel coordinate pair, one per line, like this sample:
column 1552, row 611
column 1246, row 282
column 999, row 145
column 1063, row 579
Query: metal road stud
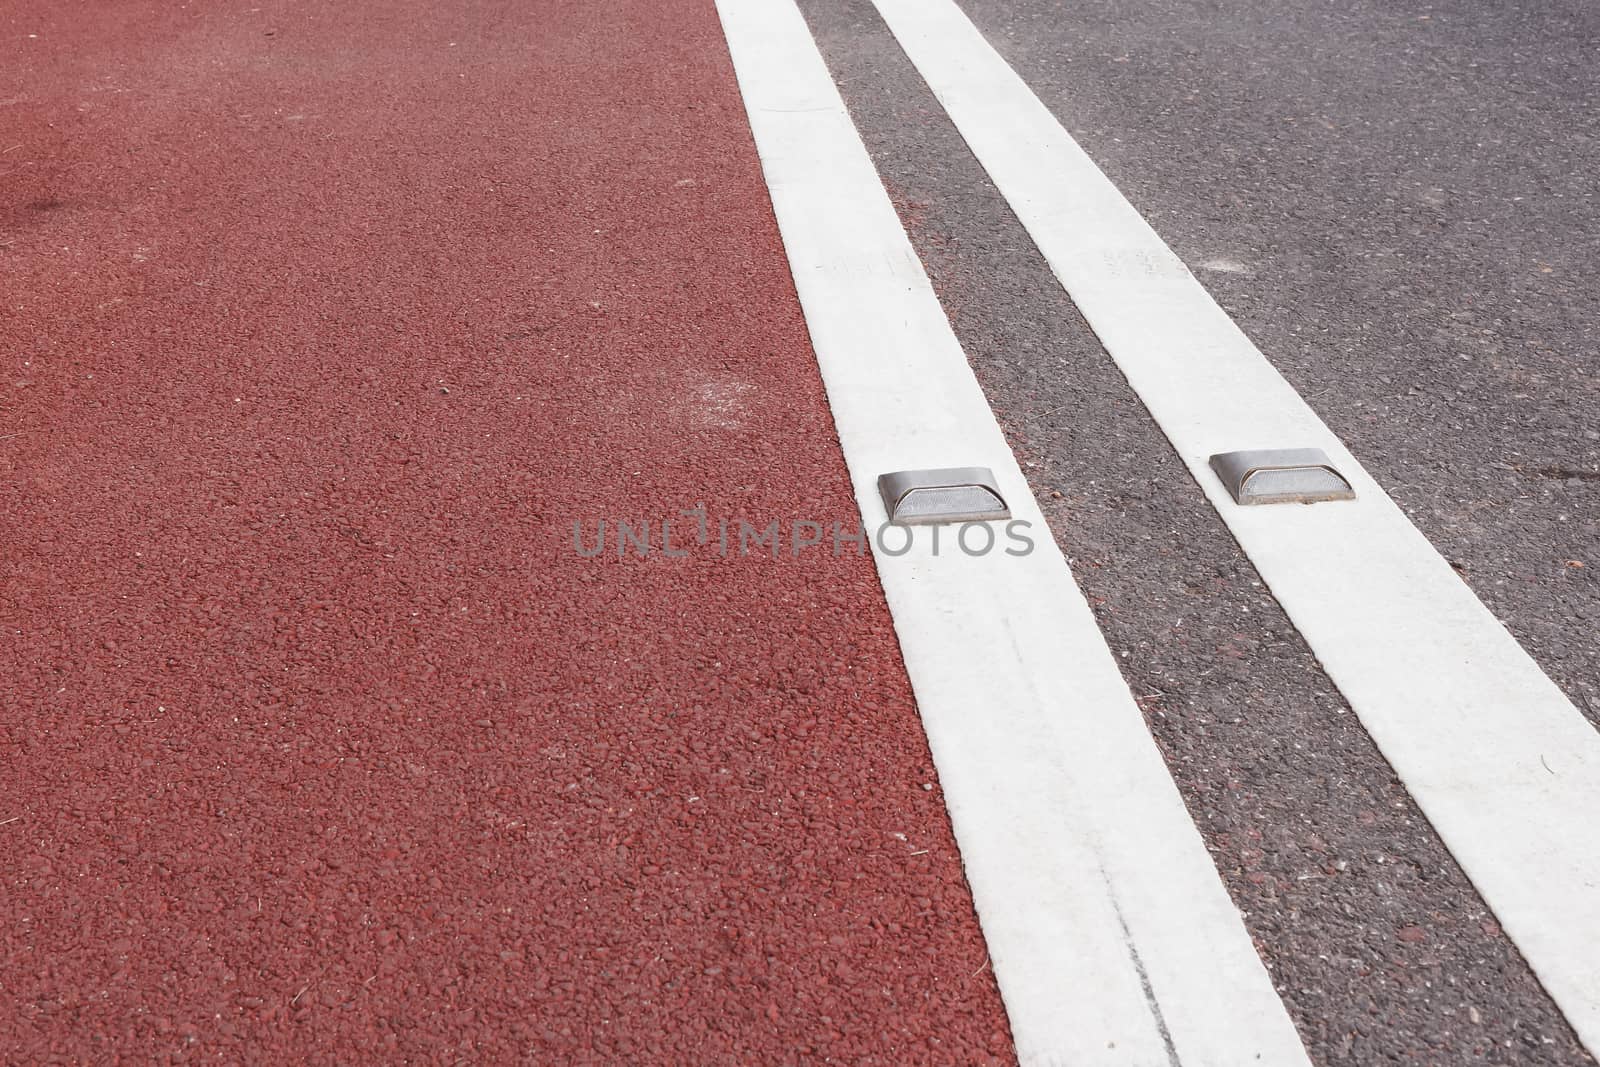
column 1281, row 476
column 952, row 494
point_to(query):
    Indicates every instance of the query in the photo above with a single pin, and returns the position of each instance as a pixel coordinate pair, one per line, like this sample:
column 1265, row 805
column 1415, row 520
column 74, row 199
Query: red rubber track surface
column 320, row 324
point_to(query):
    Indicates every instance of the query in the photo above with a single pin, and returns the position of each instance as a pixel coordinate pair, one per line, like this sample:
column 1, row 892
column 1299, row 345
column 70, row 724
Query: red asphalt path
column 320, row 324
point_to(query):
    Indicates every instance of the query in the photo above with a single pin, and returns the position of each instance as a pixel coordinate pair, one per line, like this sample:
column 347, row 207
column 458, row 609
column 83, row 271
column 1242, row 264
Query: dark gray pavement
column 1399, row 205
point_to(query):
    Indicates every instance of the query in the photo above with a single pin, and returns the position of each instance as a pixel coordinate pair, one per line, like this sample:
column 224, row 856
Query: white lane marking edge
column 1111, row 935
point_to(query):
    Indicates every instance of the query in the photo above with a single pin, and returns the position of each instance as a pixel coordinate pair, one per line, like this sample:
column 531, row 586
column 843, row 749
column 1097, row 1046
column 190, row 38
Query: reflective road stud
column 951, row 494
column 1281, row 476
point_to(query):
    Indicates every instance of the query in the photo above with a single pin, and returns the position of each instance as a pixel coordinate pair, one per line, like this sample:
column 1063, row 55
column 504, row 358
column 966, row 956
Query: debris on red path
column 323, row 322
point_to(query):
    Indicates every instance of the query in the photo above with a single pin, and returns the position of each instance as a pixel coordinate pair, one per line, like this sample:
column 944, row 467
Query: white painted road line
column 1109, row 930
column 1503, row 765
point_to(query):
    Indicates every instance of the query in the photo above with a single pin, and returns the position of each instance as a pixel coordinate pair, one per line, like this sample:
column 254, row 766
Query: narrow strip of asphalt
column 1110, row 933
column 1500, row 761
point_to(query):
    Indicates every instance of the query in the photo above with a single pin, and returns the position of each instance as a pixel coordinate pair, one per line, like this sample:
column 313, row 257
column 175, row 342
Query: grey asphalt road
column 1398, row 203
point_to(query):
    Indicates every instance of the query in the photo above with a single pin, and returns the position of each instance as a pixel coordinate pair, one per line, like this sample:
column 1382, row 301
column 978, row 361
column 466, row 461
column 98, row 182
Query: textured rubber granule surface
column 322, row 324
